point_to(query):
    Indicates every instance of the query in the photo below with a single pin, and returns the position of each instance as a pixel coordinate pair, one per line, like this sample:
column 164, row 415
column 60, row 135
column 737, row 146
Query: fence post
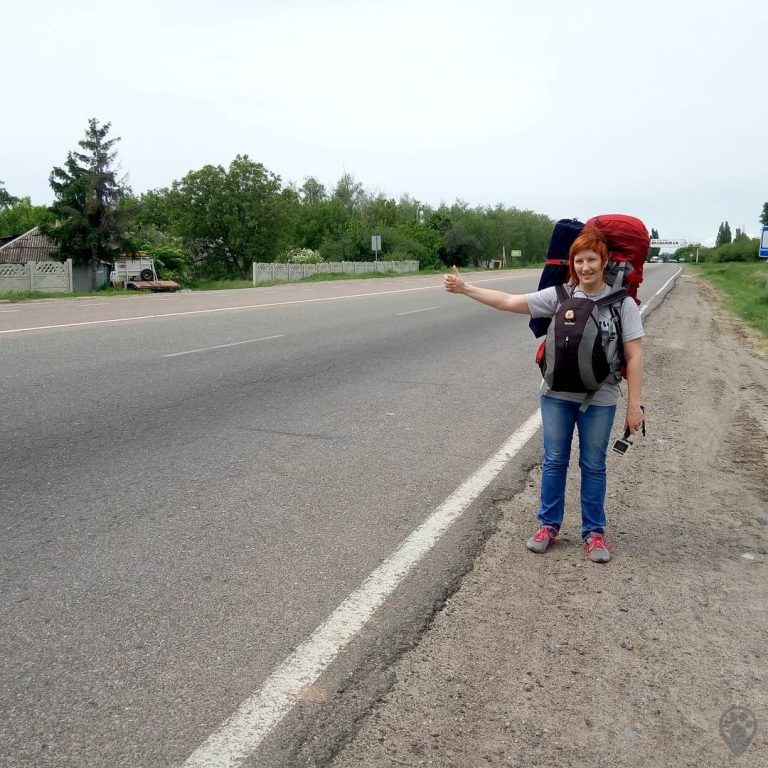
column 70, row 283
column 31, row 275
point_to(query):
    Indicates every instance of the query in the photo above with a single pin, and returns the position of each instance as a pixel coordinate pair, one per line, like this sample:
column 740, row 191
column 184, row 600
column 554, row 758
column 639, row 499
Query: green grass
column 33, row 295
column 745, row 289
column 221, row 285
column 374, row 275
column 216, row 285
column 360, row 276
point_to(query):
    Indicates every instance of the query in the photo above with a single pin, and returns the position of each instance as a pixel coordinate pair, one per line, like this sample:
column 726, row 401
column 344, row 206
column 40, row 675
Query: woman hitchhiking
column 562, row 411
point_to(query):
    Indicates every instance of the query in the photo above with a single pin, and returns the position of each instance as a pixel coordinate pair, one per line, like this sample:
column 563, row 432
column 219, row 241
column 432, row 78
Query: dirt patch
column 552, row 660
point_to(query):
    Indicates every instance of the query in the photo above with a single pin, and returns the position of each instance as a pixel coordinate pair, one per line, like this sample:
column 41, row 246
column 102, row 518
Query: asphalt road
column 191, row 483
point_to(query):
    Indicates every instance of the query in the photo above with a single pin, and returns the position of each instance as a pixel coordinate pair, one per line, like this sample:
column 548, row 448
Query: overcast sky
column 657, row 109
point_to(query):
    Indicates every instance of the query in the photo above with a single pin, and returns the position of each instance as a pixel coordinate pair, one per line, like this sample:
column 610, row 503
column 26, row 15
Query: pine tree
column 7, row 200
column 88, row 227
column 723, row 234
column 764, row 215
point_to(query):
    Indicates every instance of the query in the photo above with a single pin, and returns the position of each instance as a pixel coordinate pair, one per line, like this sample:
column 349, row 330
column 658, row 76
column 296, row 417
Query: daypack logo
column 738, row 727
column 569, row 316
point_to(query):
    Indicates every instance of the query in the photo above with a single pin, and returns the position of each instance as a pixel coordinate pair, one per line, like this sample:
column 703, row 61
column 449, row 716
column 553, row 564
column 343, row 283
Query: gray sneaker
column 540, row 541
column 596, row 548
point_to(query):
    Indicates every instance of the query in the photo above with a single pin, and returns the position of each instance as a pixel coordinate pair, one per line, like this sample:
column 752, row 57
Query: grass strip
column 226, row 285
column 745, row 289
column 34, row 295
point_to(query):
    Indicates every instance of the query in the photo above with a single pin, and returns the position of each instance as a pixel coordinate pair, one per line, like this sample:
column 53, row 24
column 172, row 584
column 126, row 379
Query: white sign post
column 376, row 246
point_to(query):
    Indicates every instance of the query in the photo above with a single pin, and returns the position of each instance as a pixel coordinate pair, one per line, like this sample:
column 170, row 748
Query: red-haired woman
column 562, row 411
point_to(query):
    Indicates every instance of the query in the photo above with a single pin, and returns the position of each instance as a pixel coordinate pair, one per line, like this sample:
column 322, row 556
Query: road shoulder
column 552, row 660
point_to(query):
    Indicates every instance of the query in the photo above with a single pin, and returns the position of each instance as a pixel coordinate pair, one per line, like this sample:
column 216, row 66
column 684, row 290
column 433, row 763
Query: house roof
column 31, row 246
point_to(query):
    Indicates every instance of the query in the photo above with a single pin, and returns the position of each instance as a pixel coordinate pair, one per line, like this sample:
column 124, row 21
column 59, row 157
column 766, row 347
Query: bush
column 743, row 249
column 403, row 244
column 344, row 249
column 398, row 255
column 331, row 250
column 430, row 261
column 299, row 256
column 172, row 261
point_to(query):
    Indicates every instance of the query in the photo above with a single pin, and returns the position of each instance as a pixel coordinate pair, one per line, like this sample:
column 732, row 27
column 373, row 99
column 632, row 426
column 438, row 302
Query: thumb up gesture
column 454, row 282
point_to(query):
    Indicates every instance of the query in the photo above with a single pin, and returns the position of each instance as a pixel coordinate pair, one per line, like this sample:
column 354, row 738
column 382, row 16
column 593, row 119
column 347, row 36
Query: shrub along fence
column 264, row 272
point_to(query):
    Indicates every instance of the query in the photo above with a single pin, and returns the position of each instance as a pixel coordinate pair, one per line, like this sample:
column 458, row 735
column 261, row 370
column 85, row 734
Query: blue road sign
column 764, row 243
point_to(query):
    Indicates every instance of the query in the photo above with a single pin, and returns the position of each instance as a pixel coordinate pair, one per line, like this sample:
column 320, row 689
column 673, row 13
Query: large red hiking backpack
column 628, row 244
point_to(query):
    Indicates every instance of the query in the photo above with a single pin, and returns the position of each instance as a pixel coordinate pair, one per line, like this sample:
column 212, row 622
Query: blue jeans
column 559, row 417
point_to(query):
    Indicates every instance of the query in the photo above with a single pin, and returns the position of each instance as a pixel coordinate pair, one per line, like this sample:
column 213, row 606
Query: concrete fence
column 263, row 273
column 37, row 276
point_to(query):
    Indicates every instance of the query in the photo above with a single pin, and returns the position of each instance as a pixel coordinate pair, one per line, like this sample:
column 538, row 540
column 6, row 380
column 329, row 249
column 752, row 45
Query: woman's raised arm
column 508, row 302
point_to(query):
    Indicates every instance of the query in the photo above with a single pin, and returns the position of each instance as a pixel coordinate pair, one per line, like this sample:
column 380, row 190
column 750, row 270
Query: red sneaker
column 597, row 549
column 541, row 540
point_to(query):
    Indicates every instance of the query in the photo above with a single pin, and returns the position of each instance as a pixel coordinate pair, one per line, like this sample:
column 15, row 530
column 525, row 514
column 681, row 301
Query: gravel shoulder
column 552, row 660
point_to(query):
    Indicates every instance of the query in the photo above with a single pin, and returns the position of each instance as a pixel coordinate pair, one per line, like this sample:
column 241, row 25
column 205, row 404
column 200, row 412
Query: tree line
column 728, row 247
column 216, row 221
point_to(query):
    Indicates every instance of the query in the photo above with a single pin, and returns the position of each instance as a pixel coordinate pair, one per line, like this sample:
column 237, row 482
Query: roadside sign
column 675, row 243
column 764, row 243
column 376, row 242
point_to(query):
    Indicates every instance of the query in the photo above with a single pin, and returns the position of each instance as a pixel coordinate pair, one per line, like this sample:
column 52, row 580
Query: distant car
column 653, row 259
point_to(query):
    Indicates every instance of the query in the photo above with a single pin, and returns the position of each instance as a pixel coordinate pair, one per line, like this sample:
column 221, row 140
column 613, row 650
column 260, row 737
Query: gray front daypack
column 575, row 357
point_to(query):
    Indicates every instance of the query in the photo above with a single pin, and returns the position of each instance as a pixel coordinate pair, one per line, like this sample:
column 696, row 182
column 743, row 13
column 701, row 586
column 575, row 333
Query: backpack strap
column 616, row 296
column 618, row 365
column 613, row 301
column 587, row 402
column 617, row 283
column 562, row 294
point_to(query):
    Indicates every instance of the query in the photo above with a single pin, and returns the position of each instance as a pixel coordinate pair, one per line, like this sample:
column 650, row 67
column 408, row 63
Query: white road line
column 238, row 308
column 414, row 311
column 223, row 346
column 240, row 735
column 10, row 310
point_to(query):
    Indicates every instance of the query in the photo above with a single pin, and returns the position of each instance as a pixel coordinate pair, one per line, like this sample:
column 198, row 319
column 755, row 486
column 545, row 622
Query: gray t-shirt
column 544, row 304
